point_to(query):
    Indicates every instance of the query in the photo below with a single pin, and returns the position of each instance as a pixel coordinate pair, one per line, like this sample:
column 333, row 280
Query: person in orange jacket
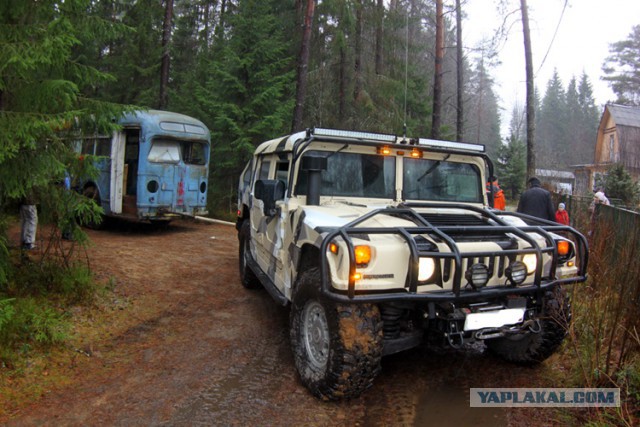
column 562, row 216
column 499, row 201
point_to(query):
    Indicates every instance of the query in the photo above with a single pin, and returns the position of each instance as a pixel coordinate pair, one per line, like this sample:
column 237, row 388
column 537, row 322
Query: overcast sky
column 581, row 43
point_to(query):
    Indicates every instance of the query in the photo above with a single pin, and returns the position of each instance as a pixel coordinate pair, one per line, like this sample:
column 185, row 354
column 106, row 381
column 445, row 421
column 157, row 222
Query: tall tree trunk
column 303, row 65
column 531, row 112
column 205, row 21
column 221, row 21
column 379, row 19
column 358, row 52
column 342, row 85
column 437, row 80
column 459, row 76
column 164, row 69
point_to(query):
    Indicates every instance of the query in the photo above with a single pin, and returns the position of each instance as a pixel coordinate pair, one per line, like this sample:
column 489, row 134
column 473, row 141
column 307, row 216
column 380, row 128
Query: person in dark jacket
column 536, row 201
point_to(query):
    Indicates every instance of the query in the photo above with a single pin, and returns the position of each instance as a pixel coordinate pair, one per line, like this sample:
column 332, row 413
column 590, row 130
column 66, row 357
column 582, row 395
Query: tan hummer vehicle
column 379, row 243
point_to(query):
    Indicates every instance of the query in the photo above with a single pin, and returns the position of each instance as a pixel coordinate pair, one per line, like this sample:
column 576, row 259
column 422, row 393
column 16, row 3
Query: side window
column 282, row 173
column 103, row 148
column 612, row 142
column 88, row 146
column 246, row 177
column 265, row 165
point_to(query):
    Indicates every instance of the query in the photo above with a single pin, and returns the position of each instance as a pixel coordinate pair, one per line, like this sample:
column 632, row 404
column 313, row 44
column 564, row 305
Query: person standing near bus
column 29, row 221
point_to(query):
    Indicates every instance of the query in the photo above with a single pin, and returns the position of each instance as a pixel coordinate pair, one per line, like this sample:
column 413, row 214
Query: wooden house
column 617, row 141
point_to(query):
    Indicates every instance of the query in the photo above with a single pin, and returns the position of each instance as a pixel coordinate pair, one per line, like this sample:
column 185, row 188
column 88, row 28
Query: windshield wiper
column 433, row 167
column 338, row 150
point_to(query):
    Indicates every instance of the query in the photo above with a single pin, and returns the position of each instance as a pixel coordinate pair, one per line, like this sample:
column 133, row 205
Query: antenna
column 406, row 66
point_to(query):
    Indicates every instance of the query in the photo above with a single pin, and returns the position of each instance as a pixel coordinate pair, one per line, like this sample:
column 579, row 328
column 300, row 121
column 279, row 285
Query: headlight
column 426, row 268
column 530, row 261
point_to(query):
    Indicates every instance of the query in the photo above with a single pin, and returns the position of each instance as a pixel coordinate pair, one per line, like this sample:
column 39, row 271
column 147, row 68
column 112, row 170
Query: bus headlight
column 426, row 268
column 152, row 186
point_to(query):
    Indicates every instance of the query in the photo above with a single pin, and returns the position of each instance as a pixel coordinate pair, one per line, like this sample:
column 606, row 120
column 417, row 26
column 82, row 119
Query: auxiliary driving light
column 516, row 272
column 477, row 275
column 426, row 268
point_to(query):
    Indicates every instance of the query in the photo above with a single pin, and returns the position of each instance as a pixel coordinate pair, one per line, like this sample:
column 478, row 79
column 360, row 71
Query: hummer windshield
column 354, row 175
column 374, row 176
column 440, row 180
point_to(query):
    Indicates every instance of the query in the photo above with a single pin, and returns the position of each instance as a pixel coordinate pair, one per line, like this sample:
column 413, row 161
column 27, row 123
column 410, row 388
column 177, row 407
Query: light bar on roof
column 353, row 134
column 452, row 144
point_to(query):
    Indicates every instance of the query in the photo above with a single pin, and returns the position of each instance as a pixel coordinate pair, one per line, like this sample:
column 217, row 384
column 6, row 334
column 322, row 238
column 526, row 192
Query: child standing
column 562, row 216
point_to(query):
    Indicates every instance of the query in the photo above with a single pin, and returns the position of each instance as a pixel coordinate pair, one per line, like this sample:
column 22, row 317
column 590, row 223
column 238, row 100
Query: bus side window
column 103, row 147
column 88, row 146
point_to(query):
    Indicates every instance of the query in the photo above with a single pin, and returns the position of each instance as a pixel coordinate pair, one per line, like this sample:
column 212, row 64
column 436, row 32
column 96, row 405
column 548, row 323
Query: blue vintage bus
column 155, row 168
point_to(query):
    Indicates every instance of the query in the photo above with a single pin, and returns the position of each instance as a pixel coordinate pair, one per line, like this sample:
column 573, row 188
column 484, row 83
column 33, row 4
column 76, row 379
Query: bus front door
column 117, row 173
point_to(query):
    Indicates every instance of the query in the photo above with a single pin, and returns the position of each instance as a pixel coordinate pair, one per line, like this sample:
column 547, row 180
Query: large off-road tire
column 532, row 348
column 337, row 347
column 247, row 277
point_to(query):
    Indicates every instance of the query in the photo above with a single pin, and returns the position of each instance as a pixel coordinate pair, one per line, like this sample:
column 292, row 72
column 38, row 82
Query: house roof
column 624, row 115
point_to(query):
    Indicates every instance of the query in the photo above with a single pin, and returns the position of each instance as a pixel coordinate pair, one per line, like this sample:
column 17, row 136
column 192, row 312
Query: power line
column 555, row 33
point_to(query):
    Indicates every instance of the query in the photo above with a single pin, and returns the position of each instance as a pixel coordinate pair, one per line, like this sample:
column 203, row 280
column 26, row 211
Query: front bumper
column 459, row 291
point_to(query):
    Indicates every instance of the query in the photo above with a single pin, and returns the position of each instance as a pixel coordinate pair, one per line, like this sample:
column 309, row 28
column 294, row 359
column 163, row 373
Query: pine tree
column 134, row 60
column 590, row 119
column 248, row 96
column 45, row 90
column 620, row 185
column 512, row 166
column 551, row 123
column 622, row 68
column 483, row 119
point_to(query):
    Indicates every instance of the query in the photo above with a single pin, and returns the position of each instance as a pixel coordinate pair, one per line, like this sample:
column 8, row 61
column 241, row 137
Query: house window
column 612, row 154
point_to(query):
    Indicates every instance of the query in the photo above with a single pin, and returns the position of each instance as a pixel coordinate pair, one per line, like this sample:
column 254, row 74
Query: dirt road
column 181, row 342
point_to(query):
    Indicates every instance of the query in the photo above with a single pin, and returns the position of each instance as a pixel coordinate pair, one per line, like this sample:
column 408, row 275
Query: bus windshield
column 173, row 151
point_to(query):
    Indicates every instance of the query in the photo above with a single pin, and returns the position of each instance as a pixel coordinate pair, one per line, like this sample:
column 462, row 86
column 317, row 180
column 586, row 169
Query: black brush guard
column 457, row 294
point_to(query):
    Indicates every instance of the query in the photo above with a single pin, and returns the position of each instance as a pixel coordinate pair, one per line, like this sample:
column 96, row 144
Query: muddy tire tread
column 535, row 348
column 352, row 367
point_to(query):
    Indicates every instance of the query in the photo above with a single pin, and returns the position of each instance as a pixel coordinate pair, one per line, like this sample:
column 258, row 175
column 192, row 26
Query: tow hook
column 533, row 325
column 486, row 334
column 454, row 336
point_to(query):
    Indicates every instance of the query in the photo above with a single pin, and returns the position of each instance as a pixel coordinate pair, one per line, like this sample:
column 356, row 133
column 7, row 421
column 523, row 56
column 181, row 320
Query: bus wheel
column 160, row 224
column 95, row 222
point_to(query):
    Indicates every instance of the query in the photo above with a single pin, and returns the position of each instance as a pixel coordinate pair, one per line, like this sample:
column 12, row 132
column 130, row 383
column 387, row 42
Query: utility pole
column 531, row 112
column 459, row 76
column 437, row 79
